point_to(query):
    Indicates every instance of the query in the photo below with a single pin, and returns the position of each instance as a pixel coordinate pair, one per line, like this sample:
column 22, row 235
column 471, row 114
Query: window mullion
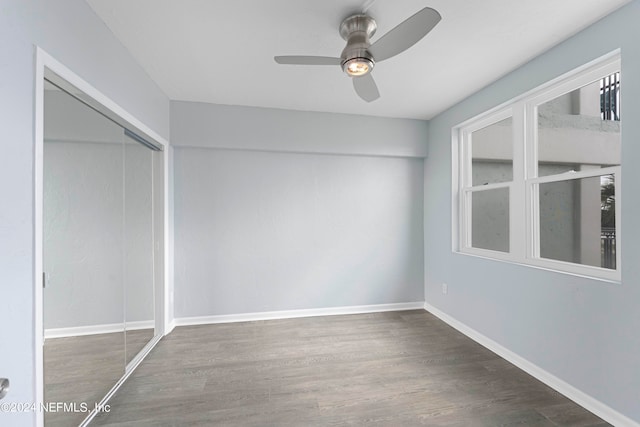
column 517, row 216
column 532, row 201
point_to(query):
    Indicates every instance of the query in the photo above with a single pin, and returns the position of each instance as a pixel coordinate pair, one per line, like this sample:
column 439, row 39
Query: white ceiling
column 221, row 51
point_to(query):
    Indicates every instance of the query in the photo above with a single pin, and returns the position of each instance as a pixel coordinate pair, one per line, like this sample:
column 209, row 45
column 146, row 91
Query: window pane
column 490, row 219
column 581, row 129
column 577, row 221
column 492, row 153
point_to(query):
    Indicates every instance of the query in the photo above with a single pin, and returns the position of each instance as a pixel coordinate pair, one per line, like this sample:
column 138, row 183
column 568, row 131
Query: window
column 490, row 175
column 538, row 178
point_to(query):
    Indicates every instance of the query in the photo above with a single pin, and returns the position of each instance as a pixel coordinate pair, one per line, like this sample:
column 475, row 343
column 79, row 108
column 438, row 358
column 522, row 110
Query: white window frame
column 524, row 236
column 467, row 188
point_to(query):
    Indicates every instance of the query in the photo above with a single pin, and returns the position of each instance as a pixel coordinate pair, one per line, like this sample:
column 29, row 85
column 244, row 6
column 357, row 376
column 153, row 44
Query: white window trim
column 533, row 253
column 523, row 202
column 467, row 189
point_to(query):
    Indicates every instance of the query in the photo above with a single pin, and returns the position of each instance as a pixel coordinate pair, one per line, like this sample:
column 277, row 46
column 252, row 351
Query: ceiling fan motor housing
column 357, row 31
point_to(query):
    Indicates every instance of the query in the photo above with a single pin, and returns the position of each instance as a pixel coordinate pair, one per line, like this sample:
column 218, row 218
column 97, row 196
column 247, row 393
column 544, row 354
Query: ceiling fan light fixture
column 359, row 56
column 357, row 67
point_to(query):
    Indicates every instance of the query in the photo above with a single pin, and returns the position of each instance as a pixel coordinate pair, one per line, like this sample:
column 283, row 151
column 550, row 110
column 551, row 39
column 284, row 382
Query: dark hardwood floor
column 81, row 370
column 388, row 369
column 136, row 340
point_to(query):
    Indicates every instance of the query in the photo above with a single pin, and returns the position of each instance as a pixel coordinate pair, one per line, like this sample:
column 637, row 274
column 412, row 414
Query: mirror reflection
column 138, row 248
column 98, row 255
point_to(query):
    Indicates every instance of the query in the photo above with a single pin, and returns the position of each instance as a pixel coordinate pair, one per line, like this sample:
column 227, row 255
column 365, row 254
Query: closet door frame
column 48, row 67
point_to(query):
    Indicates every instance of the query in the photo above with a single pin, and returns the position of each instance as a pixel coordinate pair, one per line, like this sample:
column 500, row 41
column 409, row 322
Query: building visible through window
column 538, row 178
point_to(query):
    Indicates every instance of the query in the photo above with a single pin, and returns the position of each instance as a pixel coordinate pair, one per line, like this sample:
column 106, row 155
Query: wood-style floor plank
column 384, row 369
column 81, row 370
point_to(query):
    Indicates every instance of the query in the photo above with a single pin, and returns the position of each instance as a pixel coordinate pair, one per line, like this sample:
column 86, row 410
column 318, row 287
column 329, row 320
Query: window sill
column 540, row 265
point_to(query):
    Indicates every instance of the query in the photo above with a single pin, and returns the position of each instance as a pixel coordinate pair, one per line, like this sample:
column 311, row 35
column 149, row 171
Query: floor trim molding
column 77, row 331
column 290, row 314
column 605, row 412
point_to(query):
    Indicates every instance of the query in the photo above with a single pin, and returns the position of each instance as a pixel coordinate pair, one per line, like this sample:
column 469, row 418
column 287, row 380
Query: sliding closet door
column 139, row 245
column 84, row 249
column 103, row 250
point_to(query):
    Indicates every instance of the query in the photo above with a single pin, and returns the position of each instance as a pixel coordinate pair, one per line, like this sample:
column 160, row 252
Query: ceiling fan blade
column 405, row 35
column 307, row 60
column 366, row 87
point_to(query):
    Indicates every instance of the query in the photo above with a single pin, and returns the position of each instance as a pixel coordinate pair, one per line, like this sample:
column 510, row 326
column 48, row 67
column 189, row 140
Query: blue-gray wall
column 583, row 331
column 71, row 33
column 196, row 124
column 283, row 210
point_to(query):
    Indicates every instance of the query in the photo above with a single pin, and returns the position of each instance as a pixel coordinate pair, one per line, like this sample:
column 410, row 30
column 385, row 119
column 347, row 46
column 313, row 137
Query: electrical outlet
column 445, row 288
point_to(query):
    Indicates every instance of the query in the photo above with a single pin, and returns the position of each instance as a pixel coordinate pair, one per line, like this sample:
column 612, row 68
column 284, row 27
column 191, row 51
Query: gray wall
column 83, row 229
column 139, row 240
column 197, row 124
column 261, row 231
column 98, row 234
column 98, row 238
column 583, row 331
column 69, row 31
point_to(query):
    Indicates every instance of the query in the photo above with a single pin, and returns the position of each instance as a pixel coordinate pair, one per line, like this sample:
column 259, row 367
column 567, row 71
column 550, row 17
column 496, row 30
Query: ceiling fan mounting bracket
column 358, row 24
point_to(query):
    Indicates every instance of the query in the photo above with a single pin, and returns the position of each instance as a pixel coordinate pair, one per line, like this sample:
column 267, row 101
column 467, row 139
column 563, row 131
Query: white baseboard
column 170, row 327
column 600, row 409
column 97, row 329
column 290, row 314
column 141, row 324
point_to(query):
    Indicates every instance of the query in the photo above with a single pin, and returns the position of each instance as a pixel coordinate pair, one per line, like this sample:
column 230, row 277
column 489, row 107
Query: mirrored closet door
column 102, row 252
column 138, row 247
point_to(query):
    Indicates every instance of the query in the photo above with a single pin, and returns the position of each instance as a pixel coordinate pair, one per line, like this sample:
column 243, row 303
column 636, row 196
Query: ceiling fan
column 360, row 55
